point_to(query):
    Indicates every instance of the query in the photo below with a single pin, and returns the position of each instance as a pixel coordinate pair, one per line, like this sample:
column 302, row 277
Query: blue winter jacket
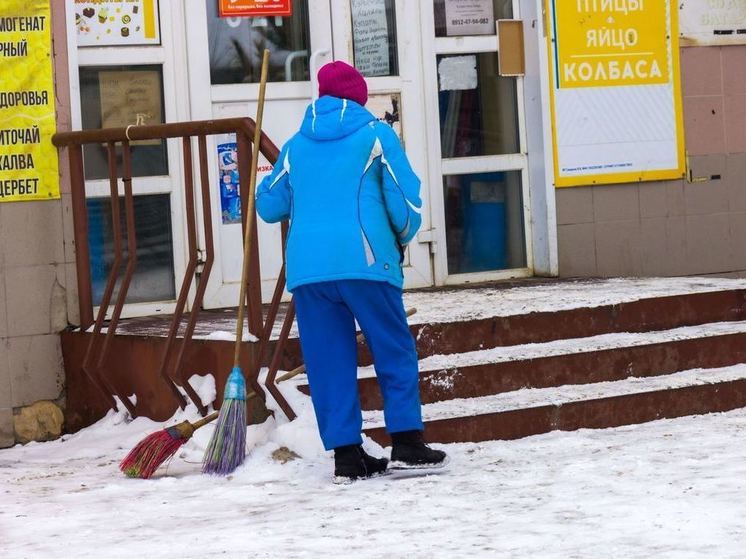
column 352, row 198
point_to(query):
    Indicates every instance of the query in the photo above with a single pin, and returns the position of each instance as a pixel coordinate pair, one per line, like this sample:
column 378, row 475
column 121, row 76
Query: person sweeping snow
column 353, row 202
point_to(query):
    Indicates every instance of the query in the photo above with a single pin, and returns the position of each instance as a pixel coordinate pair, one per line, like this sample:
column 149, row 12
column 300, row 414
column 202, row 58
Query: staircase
column 566, row 366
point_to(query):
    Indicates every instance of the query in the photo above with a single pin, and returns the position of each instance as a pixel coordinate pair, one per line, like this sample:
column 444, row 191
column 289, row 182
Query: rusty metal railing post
column 129, row 208
column 80, row 231
column 274, row 366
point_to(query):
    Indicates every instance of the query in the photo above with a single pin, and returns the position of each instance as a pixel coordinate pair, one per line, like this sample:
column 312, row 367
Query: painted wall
column 675, row 227
column 36, row 269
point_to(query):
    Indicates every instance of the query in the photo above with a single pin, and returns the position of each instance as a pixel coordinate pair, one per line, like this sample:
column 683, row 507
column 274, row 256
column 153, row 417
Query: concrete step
column 528, row 412
column 643, row 315
column 608, row 357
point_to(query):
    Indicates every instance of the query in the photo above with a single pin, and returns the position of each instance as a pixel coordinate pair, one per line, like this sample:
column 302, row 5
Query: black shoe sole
column 344, row 480
column 398, row 465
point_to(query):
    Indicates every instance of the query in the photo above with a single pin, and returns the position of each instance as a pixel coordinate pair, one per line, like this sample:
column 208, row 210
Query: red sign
column 250, row 8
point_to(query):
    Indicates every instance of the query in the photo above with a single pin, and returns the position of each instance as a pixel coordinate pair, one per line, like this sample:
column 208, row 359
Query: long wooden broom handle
column 205, row 420
column 250, row 210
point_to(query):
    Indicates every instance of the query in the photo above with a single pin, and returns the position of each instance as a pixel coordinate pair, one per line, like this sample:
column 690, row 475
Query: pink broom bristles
column 151, row 452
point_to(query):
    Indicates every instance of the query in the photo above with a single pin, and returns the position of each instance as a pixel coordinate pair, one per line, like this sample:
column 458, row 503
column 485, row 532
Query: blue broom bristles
column 227, row 448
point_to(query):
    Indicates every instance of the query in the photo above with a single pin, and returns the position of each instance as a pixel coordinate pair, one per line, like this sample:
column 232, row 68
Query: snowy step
column 607, row 357
column 527, row 412
column 542, row 323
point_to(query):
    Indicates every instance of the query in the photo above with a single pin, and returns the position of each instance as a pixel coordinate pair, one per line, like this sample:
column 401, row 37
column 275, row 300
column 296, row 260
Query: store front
column 474, row 136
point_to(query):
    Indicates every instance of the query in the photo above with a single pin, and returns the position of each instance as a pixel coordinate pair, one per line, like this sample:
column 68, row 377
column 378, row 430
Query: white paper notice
column 371, row 37
column 469, row 17
column 458, row 72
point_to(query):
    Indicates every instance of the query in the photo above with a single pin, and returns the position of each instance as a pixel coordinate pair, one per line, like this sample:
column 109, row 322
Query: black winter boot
column 351, row 463
column 410, row 451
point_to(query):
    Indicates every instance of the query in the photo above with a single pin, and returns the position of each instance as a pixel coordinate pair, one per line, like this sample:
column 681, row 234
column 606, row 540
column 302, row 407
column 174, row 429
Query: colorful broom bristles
column 227, row 448
column 151, row 452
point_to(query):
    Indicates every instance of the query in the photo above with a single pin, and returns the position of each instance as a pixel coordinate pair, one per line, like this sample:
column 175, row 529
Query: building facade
column 480, row 115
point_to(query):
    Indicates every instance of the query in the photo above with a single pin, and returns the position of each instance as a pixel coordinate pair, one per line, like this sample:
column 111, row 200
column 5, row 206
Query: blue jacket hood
column 331, row 118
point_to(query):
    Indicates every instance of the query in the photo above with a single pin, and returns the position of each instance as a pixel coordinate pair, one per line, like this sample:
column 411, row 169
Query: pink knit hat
column 339, row 79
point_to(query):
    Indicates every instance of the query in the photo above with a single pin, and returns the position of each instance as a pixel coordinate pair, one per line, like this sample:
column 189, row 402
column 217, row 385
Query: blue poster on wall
column 230, row 200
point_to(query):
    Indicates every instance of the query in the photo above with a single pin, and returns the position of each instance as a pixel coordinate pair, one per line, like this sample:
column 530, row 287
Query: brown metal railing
column 174, row 375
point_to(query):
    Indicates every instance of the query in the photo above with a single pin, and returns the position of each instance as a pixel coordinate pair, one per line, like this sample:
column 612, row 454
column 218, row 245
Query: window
column 374, row 37
column 478, row 108
column 459, row 18
column 484, row 222
column 236, row 45
column 117, row 96
column 154, row 276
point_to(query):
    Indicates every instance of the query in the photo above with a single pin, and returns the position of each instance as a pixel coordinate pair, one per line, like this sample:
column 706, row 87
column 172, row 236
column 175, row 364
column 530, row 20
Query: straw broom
column 148, row 455
column 155, row 449
column 227, row 448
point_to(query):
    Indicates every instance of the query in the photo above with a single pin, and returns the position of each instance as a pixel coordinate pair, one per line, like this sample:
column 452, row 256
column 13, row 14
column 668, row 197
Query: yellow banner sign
column 615, row 91
column 28, row 160
column 605, row 43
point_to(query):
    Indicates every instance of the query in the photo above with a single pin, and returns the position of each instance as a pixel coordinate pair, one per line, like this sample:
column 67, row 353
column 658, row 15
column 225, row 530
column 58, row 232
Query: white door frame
column 167, row 55
column 209, row 101
column 240, row 100
column 431, row 47
column 417, row 263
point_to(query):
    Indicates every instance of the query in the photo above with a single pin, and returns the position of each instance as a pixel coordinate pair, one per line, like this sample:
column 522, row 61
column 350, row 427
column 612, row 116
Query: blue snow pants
column 326, row 320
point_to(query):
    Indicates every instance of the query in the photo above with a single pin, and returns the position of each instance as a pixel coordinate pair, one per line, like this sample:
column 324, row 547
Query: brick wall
column 36, row 268
column 674, row 227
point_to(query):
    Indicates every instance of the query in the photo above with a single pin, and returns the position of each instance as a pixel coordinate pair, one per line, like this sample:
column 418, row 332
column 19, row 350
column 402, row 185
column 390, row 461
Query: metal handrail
column 94, row 367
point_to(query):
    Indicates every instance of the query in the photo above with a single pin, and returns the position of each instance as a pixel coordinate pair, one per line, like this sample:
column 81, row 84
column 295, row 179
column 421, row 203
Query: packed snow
column 670, row 488
column 470, row 304
column 565, row 394
column 601, row 342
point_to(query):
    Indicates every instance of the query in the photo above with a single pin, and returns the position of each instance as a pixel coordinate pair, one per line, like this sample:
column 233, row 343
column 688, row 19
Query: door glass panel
column 484, row 222
column 478, row 108
column 458, row 18
column 154, row 276
column 119, row 96
column 236, row 45
column 374, row 37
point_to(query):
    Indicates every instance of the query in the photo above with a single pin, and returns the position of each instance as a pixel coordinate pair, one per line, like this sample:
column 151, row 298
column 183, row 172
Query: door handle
column 313, row 67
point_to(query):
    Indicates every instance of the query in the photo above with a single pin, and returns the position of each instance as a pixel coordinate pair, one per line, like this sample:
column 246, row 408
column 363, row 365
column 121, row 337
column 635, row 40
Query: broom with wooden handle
column 155, row 449
column 227, row 448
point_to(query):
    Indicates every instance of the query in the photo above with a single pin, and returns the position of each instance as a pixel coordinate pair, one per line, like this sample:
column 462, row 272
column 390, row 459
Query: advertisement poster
column 469, row 17
column 714, row 22
column 615, row 91
column 29, row 168
column 102, row 23
column 131, row 98
column 370, row 33
column 230, row 199
column 253, row 8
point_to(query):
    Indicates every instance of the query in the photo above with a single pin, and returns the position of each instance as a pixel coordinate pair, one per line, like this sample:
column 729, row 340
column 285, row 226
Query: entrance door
column 224, row 60
column 116, row 84
column 477, row 138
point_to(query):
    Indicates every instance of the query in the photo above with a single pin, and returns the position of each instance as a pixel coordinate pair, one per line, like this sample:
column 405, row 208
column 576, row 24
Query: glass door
column 478, row 142
column 123, row 73
column 224, row 60
column 376, row 36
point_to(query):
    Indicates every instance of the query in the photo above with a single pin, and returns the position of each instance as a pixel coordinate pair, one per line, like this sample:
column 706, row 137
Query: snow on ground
column 671, row 488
